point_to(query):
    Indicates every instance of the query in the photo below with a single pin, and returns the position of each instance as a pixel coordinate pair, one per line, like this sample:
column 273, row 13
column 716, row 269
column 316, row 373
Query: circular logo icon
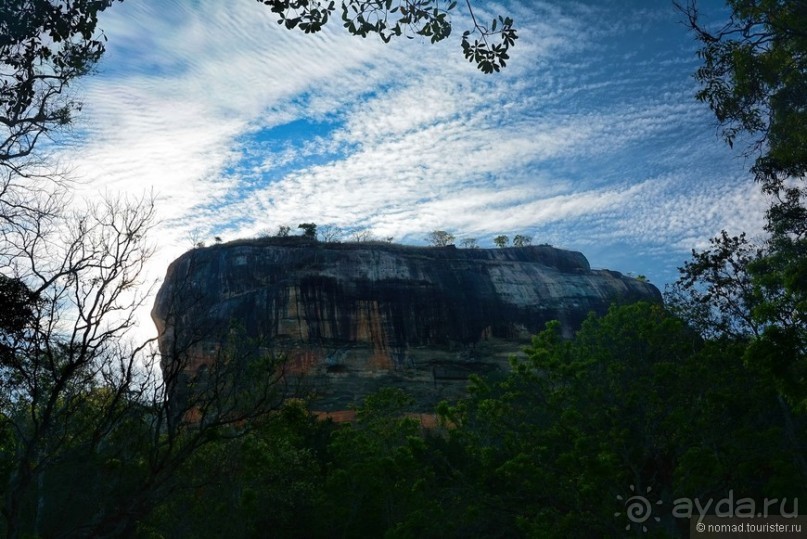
column 638, row 508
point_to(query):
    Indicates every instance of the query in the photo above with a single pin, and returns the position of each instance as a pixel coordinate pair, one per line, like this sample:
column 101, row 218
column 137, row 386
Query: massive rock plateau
column 352, row 317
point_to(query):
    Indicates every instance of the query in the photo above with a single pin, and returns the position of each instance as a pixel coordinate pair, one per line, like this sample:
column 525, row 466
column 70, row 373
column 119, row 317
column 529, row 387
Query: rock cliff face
column 352, row 317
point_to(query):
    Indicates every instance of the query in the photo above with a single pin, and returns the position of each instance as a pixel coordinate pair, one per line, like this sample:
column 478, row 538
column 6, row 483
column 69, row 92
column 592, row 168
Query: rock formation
column 351, row 317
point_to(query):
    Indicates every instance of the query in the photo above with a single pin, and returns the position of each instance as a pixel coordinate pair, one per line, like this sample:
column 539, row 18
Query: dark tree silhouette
column 44, row 46
column 486, row 46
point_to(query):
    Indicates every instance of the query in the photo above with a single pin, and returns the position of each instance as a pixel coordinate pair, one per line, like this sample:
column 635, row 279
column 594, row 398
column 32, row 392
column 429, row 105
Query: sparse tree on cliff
column 486, row 46
column 519, row 240
column 469, row 243
column 283, row 231
column 440, row 238
column 362, row 236
column 309, row 230
column 330, row 233
column 196, row 238
column 501, row 241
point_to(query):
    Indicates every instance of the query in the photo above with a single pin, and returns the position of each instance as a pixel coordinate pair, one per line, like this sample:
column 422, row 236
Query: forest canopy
column 701, row 397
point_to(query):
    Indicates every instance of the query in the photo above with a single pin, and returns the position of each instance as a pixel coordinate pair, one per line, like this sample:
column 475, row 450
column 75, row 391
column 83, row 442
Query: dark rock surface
column 351, row 317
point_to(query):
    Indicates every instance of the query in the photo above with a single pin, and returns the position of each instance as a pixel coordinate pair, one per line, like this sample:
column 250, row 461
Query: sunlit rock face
column 352, row 317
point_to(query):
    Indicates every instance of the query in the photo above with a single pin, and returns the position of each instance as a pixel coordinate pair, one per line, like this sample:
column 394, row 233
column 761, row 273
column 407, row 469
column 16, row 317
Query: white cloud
column 589, row 133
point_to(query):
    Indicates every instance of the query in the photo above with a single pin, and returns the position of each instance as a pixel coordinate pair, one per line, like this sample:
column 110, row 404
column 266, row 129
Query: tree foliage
column 66, row 370
column 716, row 292
column 440, row 238
column 91, row 431
column 754, row 77
column 486, row 46
column 267, row 479
column 360, row 236
column 501, row 241
column 44, row 46
column 697, row 402
column 330, row 233
column 309, row 229
column 17, row 303
column 636, row 398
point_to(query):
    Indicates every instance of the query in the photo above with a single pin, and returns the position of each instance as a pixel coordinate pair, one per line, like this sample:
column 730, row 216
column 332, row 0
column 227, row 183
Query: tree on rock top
column 440, row 238
column 309, row 229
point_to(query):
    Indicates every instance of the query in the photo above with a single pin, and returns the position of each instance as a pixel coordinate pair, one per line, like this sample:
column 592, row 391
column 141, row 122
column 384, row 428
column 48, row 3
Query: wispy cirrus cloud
column 590, row 137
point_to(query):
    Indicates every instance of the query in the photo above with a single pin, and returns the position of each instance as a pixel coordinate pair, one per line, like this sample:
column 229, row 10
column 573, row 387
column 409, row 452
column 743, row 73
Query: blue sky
column 590, row 139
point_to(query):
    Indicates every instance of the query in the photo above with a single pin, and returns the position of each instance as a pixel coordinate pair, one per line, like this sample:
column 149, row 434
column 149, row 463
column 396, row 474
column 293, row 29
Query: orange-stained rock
column 351, row 318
